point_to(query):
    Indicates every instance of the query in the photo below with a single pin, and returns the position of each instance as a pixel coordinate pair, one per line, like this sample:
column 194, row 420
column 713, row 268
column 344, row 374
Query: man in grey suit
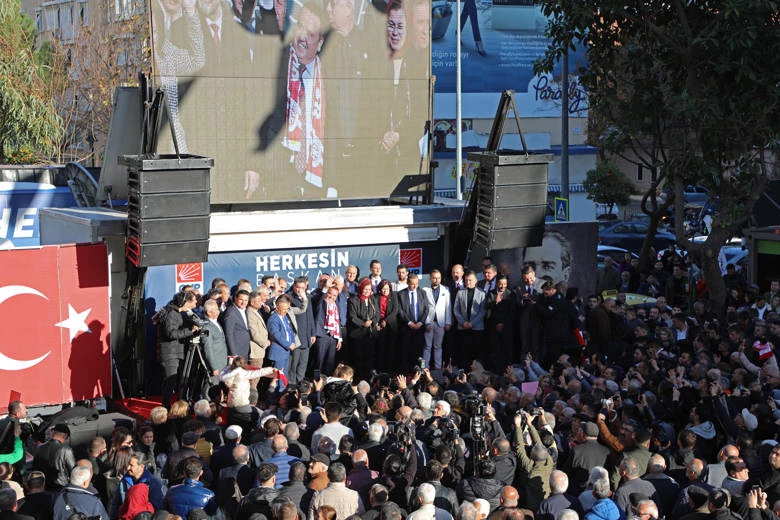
column 213, row 344
column 470, row 314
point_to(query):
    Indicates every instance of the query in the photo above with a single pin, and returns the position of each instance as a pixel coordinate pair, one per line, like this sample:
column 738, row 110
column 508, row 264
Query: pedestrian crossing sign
column 561, row 209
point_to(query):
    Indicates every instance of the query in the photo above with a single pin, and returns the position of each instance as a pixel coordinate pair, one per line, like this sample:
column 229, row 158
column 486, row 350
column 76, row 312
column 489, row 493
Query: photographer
column 535, row 469
column 174, row 330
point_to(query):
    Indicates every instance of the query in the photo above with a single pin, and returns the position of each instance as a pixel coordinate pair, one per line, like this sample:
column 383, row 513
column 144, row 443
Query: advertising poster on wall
column 501, row 40
column 296, row 99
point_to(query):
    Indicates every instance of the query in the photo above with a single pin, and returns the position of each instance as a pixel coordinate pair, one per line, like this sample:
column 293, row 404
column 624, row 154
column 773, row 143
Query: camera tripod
column 194, row 374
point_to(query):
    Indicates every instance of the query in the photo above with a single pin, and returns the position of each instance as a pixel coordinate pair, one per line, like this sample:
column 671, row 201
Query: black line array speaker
column 168, row 208
column 511, row 199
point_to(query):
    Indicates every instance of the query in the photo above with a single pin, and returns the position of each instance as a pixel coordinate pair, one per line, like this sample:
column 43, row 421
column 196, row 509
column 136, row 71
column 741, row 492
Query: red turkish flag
column 54, row 335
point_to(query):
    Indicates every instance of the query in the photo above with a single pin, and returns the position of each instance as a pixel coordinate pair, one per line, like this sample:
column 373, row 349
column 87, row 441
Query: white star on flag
column 76, row 322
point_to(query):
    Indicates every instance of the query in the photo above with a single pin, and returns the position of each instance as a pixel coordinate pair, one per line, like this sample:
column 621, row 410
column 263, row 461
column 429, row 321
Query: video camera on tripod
column 195, row 372
column 200, row 323
column 476, row 409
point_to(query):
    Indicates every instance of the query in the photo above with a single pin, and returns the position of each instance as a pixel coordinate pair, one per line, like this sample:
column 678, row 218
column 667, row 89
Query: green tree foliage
column 691, row 90
column 607, row 184
column 28, row 119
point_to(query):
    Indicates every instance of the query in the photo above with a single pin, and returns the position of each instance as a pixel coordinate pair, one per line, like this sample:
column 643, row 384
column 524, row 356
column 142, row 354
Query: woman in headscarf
column 136, row 502
column 362, row 327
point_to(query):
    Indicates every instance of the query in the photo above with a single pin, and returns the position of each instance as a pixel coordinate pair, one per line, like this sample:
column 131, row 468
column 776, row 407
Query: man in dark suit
column 236, row 325
column 488, row 285
column 328, row 331
column 304, row 315
column 214, row 344
column 470, row 314
column 529, row 328
column 413, row 311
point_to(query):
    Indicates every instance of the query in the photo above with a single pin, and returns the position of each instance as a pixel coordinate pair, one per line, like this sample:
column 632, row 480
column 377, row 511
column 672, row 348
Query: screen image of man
column 552, row 258
column 305, row 113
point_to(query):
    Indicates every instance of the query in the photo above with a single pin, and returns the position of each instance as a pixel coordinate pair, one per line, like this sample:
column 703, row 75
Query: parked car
column 617, row 254
column 630, row 235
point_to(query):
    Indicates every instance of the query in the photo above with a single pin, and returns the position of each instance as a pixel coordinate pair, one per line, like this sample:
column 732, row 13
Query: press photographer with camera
column 175, row 328
column 534, row 467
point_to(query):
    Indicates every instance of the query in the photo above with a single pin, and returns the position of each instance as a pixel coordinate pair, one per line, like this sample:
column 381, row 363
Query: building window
column 639, row 172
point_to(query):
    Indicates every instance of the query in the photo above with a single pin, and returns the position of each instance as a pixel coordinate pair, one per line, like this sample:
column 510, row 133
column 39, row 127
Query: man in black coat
column 8, row 505
column 446, row 498
column 528, row 325
column 557, row 323
column 504, row 459
column 259, row 499
column 304, row 317
column 486, row 486
column 37, row 501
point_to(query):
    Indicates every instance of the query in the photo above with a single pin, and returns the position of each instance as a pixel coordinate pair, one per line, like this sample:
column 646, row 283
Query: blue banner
column 163, row 281
column 19, row 205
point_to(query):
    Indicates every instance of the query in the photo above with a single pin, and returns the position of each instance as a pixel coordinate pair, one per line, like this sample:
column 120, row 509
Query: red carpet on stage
column 137, row 407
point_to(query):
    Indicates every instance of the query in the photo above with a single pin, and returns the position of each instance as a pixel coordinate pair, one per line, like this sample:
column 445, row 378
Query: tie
column 414, row 306
column 300, row 157
column 215, row 33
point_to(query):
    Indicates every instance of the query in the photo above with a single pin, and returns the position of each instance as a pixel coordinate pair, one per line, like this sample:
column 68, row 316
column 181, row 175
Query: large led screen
column 296, row 99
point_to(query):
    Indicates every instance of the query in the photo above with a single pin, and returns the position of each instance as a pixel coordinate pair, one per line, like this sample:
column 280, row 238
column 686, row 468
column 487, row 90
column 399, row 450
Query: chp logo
column 413, row 259
column 189, row 274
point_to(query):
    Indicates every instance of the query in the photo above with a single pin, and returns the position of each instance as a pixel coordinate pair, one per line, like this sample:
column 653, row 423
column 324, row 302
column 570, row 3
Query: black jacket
column 473, row 488
column 173, row 333
column 257, row 501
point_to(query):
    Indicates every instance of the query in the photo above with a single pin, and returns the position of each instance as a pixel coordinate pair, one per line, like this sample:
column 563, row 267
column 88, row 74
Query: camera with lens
column 476, row 409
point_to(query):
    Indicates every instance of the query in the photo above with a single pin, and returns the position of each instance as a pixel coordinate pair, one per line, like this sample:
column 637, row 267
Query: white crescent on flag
column 7, row 363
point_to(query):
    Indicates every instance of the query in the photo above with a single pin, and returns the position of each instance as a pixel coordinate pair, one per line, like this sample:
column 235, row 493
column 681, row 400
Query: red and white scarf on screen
column 297, row 128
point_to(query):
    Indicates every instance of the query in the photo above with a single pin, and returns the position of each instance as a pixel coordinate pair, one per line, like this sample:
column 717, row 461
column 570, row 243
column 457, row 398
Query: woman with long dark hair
column 386, row 344
column 362, row 327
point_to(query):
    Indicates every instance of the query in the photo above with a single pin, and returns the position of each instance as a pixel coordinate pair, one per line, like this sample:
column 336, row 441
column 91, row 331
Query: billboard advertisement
column 501, row 40
column 296, row 99
column 61, row 293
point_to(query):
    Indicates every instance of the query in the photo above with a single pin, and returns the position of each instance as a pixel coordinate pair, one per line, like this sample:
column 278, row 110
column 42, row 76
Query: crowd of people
column 366, row 398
